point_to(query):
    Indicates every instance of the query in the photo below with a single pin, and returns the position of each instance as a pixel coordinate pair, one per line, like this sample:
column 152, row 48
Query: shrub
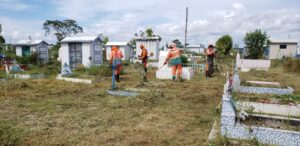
column 184, row 59
column 103, row 71
column 291, row 65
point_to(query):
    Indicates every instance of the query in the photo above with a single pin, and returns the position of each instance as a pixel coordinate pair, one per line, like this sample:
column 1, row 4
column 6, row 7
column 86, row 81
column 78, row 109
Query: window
column 282, row 46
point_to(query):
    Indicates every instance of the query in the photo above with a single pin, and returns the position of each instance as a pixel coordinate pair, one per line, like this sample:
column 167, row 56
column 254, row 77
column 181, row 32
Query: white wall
column 19, row 51
column 151, row 45
column 276, row 53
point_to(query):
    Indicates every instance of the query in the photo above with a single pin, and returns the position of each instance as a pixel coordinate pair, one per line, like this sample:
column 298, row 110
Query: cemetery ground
column 51, row 112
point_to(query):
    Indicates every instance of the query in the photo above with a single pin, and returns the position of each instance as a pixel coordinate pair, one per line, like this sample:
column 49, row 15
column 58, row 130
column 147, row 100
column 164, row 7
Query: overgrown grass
column 291, row 65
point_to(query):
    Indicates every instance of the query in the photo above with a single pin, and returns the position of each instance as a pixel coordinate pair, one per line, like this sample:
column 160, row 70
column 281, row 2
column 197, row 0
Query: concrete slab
column 263, row 83
column 28, row 76
column 214, row 132
column 284, row 110
column 76, row 80
column 121, row 93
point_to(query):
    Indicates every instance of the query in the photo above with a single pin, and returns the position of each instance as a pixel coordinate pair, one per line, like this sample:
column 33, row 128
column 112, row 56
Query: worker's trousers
column 177, row 68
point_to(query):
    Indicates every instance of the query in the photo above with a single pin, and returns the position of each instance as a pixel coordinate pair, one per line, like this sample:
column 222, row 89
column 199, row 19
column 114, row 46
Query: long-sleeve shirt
column 174, row 56
column 144, row 55
column 115, row 54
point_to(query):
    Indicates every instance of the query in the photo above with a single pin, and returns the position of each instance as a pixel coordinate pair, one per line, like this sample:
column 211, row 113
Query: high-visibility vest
column 174, row 56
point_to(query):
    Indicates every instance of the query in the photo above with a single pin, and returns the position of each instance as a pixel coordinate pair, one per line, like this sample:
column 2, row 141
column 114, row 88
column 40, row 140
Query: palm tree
column 149, row 32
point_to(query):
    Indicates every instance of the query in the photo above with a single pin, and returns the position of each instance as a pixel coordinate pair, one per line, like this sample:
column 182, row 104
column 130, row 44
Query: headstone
column 66, row 70
column 236, row 80
column 165, row 71
column 6, row 69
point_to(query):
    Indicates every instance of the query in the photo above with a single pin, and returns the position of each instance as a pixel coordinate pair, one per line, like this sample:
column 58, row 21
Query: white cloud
column 13, row 5
column 238, row 6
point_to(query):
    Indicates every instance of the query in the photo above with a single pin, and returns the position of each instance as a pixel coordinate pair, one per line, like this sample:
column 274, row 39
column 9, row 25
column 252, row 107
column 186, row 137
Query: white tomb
column 165, row 71
column 247, row 64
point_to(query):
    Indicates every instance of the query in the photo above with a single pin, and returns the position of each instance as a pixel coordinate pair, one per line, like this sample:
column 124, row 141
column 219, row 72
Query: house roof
column 79, row 39
column 147, row 38
column 29, row 42
column 195, row 46
column 116, row 43
column 289, row 41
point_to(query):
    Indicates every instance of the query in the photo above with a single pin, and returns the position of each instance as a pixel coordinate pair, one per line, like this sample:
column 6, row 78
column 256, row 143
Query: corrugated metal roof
column 284, row 41
column 116, row 43
column 28, row 42
column 79, row 39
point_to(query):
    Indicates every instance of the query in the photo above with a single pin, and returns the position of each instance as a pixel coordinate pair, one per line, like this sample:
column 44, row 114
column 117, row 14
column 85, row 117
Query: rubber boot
column 118, row 77
column 180, row 79
column 173, row 78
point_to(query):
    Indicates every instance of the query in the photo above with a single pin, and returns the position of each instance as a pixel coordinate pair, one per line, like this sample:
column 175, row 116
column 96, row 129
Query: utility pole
column 186, row 23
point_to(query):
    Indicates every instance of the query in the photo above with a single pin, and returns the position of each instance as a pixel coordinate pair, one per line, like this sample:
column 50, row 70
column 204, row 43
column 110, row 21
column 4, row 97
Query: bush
column 291, row 65
column 103, row 71
column 184, row 59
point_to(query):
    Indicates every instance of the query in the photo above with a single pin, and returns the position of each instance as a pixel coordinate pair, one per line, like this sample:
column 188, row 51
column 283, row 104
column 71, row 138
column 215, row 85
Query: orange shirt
column 115, row 54
column 144, row 54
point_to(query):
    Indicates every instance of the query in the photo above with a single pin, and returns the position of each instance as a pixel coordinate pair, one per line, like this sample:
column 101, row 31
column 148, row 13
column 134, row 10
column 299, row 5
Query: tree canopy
column 62, row 29
column 2, row 40
column 149, row 32
column 256, row 42
column 178, row 43
column 224, row 44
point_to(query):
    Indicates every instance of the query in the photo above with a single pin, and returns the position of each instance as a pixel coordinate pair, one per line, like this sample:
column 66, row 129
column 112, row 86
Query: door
column 25, row 51
column 97, row 57
column 75, row 51
column 43, row 54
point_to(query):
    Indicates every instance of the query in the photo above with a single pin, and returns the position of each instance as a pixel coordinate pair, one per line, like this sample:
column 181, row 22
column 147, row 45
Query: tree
column 256, row 42
column 178, row 43
column 149, row 32
column 62, row 29
column 105, row 39
column 224, row 44
column 2, row 40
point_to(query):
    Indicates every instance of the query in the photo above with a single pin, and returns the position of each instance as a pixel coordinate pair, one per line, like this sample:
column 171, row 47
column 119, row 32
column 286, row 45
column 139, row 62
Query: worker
column 144, row 57
column 116, row 61
column 175, row 61
column 210, row 53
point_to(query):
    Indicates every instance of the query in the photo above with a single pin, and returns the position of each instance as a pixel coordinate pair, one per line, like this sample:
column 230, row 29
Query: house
column 124, row 47
column 86, row 51
column 27, row 47
column 151, row 44
column 282, row 48
column 199, row 49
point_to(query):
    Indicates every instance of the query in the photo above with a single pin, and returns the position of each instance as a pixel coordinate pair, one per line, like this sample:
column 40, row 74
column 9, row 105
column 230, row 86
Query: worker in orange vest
column 116, row 56
column 175, row 61
column 144, row 57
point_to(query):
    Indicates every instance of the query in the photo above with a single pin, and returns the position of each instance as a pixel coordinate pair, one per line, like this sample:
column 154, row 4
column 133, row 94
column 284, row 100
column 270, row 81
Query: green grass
column 60, row 113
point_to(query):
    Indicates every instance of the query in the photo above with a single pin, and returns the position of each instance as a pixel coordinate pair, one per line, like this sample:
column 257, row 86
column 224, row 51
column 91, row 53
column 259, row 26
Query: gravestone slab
column 165, row 71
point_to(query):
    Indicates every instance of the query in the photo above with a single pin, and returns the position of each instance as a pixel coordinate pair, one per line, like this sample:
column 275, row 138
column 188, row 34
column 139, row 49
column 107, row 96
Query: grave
column 233, row 128
column 258, row 90
column 165, row 71
column 247, row 64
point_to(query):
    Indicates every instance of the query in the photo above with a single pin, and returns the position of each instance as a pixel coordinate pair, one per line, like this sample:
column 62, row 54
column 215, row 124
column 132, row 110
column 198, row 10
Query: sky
column 120, row 19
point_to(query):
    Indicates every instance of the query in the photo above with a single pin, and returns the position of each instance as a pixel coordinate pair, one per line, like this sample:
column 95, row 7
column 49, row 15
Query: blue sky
column 120, row 19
